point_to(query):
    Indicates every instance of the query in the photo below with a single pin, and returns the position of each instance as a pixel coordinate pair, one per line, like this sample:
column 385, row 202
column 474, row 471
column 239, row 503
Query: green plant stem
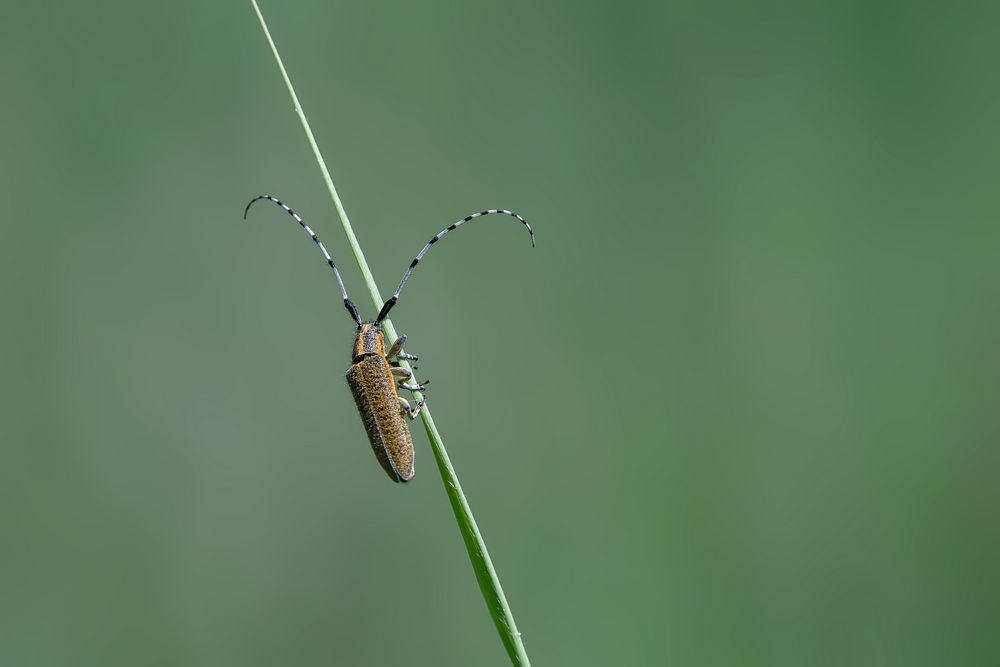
column 486, row 574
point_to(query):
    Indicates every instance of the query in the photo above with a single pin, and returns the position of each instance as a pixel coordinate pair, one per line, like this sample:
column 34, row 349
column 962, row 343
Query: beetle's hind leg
column 396, row 351
column 404, row 407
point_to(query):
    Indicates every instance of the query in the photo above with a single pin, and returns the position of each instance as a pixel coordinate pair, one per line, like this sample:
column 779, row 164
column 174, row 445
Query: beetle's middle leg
column 404, row 374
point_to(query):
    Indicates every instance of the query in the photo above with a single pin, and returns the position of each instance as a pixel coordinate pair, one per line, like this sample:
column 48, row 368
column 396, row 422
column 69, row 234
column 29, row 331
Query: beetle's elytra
column 375, row 372
column 381, row 409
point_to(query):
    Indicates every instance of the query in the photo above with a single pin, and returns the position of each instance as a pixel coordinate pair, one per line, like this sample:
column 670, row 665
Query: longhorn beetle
column 375, row 371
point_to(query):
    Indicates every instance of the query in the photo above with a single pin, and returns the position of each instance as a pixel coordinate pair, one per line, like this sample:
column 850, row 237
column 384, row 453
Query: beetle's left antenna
column 329, row 260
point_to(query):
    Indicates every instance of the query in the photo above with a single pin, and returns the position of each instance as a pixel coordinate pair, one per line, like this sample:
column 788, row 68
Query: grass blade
column 486, row 574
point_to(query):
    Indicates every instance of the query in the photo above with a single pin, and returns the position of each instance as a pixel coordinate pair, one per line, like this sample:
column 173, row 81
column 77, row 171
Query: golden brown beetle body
column 375, row 372
column 374, row 387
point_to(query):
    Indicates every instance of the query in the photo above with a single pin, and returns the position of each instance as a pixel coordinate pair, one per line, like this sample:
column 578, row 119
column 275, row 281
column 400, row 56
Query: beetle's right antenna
column 387, row 306
column 329, row 260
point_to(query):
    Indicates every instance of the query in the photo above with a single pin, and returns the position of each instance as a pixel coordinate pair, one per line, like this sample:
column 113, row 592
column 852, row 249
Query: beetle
column 375, row 372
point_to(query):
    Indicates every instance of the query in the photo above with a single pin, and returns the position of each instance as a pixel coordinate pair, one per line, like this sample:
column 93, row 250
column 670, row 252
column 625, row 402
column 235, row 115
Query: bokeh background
column 738, row 407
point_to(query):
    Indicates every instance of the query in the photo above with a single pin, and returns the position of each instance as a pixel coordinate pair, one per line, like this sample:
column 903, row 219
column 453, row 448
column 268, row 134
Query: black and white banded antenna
column 437, row 237
column 329, row 260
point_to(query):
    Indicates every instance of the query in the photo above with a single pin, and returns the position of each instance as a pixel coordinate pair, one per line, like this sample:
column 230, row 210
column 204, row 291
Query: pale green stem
column 486, row 574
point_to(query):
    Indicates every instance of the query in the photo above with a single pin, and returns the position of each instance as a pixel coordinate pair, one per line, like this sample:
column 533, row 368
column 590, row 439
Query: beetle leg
column 396, row 347
column 415, row 387
column 404, row 406
column 402, row 374
column 396, row 351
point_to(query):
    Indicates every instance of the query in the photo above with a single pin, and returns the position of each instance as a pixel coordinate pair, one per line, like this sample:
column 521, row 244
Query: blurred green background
column 738, row 407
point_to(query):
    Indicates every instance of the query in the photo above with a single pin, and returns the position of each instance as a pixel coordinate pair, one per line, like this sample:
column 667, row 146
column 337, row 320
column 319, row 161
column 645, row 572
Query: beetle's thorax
column 369, row 340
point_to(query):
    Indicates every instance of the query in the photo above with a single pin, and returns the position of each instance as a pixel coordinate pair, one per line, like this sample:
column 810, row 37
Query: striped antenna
column 329, row 260
column 387, row 306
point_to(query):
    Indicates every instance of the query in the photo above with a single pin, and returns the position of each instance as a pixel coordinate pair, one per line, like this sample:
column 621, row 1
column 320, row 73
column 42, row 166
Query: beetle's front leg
column 396, row 351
